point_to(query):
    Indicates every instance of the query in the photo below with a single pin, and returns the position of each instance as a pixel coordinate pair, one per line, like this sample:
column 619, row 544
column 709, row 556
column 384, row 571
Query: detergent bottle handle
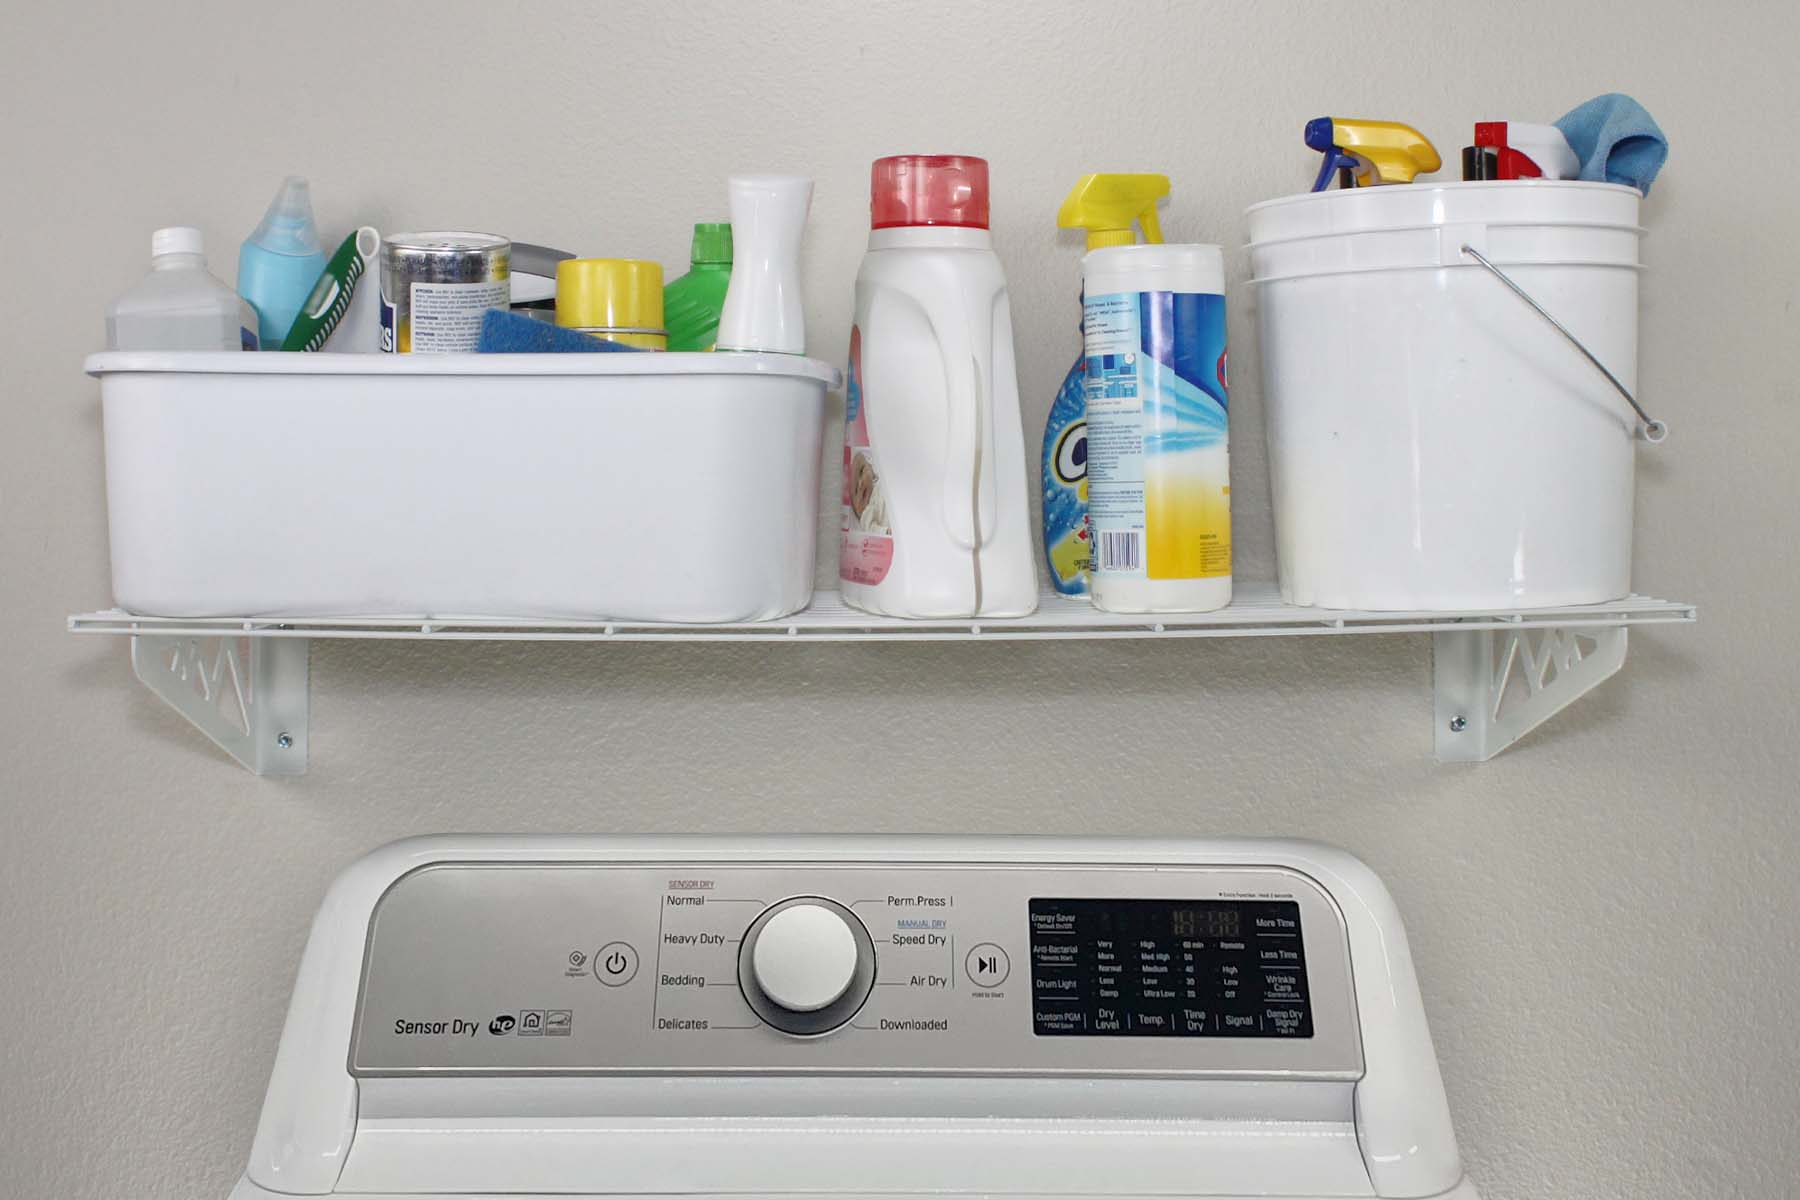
column 981, row 347
column 964, row 433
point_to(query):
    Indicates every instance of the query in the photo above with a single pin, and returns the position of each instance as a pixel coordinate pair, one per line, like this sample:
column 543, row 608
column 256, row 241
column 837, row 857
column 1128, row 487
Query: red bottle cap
column 929, row 189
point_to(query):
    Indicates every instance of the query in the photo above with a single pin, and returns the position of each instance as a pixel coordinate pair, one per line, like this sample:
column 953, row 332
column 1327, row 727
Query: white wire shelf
column 1496, row 674
column 1256, row 611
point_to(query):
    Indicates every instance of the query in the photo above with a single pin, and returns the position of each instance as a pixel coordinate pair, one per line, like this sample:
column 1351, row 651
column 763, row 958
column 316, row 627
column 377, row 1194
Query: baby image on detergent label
column 1159, row 480
column 865, row 538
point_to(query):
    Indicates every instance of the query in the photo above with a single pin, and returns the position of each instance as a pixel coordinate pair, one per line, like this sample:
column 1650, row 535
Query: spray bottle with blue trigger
column 1106, row 206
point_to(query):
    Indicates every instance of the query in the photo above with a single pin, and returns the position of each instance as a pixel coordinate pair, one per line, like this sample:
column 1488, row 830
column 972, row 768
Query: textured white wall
column 1604, row 918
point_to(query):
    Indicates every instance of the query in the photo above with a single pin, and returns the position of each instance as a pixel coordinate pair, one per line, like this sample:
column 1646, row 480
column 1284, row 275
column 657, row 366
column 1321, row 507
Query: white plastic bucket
column 1434, row 442
column 654, row 487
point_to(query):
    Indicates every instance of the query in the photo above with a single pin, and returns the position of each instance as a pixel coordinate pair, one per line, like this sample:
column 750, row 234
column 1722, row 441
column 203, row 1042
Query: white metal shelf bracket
column 248, row 694
column 1494, row 686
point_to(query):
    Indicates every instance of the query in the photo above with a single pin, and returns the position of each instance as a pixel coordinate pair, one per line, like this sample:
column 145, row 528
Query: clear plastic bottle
column 180, row 305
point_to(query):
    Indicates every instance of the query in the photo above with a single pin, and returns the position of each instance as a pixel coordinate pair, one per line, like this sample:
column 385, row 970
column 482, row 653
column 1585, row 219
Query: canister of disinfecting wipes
column 1158, row 467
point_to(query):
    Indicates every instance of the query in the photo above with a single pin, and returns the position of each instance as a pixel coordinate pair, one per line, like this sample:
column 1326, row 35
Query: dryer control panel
column 593, row 968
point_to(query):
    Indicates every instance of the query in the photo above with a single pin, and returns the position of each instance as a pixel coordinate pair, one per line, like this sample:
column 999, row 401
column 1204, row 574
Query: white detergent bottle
column 936, row 515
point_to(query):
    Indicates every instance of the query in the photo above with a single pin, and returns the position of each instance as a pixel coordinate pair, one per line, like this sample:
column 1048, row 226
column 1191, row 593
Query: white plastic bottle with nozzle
column 936, row 513
column 763, row 310
column 280, row 261
column 180, row 305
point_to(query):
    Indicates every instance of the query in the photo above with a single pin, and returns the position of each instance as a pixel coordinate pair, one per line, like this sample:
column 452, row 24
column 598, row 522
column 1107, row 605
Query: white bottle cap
column 177, row 239
column 1154, row 267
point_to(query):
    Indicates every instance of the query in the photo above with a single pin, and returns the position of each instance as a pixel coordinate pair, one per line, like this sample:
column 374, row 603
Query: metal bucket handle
column 1650, row 429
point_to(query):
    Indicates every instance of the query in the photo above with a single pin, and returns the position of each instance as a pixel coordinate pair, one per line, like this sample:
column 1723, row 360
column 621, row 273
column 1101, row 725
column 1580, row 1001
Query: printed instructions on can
column 446, row 317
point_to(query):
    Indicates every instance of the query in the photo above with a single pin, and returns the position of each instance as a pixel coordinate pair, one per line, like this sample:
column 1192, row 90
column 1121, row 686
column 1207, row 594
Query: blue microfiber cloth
column 505, row 332
column 1616, row 141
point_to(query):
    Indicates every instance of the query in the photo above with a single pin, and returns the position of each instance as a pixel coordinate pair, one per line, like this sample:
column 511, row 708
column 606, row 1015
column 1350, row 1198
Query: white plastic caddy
column 661, row 487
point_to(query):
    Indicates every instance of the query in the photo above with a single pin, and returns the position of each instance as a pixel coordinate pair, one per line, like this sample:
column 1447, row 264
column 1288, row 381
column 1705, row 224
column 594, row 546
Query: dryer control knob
column 806, row 965
column 805, row 957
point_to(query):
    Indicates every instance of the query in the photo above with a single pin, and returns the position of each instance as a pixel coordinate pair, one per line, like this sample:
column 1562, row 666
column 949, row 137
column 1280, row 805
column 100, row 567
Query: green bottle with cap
column 692, row 303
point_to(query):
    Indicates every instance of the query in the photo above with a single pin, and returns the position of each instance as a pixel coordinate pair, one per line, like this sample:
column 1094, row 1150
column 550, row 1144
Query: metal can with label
column 436, row 286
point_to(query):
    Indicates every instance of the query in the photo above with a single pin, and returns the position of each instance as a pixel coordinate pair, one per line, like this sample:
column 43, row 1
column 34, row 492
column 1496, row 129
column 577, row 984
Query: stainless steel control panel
column 478, row 968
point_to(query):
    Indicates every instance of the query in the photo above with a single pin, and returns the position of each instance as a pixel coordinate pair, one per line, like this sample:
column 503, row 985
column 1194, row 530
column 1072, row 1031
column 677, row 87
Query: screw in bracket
column 286, row 740
column 1457, row 724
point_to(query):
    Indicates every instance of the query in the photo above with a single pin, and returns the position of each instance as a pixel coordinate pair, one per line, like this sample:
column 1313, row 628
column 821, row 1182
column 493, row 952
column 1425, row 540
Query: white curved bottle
column 762, row 310
column 936, row 513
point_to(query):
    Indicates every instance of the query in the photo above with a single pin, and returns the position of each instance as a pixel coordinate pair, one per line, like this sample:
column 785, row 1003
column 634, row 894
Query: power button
column 615, row 964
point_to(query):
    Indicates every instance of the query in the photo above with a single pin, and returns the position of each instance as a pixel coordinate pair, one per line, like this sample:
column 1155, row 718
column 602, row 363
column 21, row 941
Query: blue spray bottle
column 1105, row 206
column 279, row 263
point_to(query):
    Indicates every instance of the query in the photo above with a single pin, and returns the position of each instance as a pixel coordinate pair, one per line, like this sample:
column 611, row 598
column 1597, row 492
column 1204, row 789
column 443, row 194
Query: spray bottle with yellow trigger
column 1367, row 153
column 1105, row 206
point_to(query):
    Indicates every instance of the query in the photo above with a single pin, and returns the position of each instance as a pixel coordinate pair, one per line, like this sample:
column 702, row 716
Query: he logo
column 502, row 1025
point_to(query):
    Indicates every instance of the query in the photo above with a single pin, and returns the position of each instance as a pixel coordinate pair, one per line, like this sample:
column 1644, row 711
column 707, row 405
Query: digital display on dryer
column 1168, row 968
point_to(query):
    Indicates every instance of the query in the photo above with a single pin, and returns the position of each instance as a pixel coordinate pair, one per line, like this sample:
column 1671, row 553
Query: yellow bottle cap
column 609, row 293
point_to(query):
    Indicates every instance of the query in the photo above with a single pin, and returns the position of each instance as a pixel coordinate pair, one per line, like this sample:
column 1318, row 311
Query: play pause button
column 987, row 966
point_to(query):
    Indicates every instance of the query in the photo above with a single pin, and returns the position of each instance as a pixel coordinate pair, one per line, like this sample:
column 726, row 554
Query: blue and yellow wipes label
column 1157, row 456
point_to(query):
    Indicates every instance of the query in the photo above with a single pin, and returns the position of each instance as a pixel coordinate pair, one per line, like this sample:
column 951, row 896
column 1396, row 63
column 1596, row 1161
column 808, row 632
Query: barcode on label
column 1122, row 551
